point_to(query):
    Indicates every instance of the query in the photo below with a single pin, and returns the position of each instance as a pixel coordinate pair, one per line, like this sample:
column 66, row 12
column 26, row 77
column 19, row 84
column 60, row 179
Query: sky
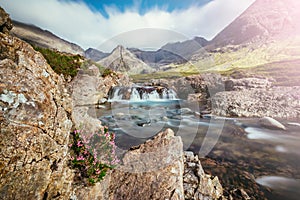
column 145, row 24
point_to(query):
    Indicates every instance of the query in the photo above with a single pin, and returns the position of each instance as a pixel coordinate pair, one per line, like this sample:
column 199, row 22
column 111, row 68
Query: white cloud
column 76, row 22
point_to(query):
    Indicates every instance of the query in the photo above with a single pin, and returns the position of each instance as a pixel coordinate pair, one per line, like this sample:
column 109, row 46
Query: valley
column 232, row 101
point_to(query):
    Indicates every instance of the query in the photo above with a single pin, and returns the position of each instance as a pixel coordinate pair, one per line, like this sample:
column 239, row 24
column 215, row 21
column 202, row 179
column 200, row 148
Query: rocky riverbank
column 37, row 114
column 237, row 96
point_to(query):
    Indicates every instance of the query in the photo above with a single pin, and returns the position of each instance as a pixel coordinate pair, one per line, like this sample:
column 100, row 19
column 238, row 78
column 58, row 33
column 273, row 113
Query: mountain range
column 268, row 31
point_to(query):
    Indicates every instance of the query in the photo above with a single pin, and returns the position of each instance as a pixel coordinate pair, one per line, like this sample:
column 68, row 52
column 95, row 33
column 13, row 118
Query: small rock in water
column 143, row 123
column 165, row 119
column 271, row 123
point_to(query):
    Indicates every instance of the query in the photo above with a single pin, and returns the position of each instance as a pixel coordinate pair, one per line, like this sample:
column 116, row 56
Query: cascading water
column 135, row 95
column 169, row 94
column 142, row 93
column 116, row 94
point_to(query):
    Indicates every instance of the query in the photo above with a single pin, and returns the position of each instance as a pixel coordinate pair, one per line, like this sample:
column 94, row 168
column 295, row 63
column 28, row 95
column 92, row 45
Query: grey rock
column 276, row 102
column 152, row 170
column 271, row 123
column 247, row 83
column 198, row 185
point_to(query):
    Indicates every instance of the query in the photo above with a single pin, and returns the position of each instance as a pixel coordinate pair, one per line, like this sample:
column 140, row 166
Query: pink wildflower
column 95, row 155
column 115, row 161
column 97, row 171
column 80, row 158
column 79, row 144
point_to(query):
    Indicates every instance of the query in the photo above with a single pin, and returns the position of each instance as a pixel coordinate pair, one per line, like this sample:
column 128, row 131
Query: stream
column 264, row 162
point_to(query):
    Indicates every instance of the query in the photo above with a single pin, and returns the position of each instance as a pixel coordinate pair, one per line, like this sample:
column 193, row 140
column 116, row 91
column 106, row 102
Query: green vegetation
column 61, row 63
column 285, row 73
column 160, row 75
column 243, row 57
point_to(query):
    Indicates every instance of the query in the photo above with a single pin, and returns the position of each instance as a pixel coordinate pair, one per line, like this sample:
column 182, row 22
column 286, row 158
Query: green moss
column 61, row 63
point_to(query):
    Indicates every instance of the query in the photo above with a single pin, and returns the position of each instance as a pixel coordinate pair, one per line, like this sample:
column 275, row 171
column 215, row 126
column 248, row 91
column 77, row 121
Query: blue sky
column 146, row 24
column 143, row 5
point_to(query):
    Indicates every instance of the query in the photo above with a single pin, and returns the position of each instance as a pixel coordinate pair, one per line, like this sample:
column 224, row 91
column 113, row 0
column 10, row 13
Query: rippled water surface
column 266, row 163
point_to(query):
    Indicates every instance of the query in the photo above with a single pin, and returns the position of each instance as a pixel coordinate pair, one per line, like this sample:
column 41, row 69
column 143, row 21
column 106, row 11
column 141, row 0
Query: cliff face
column 34, row 125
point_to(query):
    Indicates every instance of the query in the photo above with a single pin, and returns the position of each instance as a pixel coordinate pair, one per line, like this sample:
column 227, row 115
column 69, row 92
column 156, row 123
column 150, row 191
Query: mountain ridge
column 44, row 38
column 263, row 20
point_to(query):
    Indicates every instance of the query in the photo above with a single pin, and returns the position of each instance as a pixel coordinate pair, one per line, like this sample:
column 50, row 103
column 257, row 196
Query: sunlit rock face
column 264, row 19
column 34, row 125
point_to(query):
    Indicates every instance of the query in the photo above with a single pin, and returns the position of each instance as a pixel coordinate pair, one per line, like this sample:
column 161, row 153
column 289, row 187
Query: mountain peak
column 121, row 59
column 263, row 20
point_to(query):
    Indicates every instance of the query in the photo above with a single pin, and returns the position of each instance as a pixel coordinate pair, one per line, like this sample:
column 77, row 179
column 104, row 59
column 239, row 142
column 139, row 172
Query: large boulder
column 198, row 185
column 5, row 21
column 153, row 170
column 34, row 125
column 90, row 88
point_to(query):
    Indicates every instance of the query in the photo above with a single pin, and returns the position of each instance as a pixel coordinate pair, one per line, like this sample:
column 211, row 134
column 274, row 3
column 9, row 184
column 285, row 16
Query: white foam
column 294, row 123
column 281, row 149
column 257, row 133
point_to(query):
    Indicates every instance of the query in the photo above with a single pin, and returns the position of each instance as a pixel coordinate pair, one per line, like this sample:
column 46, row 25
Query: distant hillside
column 95, row 54
column 43, row 38
column 186, row 48
column 267, row 32
column 171, row 53
column 263, row 20
column 122, row 60
column 157, row 58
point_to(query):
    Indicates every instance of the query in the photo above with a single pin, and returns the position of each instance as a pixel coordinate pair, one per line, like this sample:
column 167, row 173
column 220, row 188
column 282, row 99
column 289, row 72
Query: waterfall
column 142, row 93
column 135, row 95
column 172, row 94
column 169, row 94
column 154, row 95
column 116, row 94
